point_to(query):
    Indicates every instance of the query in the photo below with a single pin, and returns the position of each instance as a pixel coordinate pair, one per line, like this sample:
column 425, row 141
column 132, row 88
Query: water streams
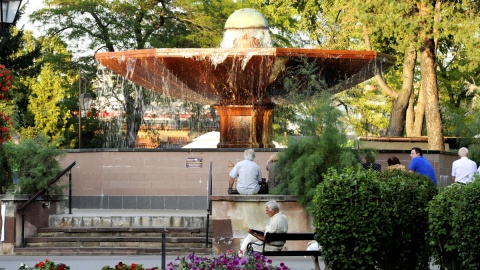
column 243, row 78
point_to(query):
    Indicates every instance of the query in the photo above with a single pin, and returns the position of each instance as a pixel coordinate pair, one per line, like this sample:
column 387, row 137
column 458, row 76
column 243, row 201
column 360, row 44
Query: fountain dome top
column 246, row 18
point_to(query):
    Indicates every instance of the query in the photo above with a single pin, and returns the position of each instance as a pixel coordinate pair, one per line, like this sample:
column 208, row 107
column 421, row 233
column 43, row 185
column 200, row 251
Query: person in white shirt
column 247, row 173
column 464, row 168
column 278, row 223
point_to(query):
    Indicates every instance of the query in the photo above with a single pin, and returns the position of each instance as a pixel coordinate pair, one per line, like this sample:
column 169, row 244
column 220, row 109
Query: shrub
column 36, row 160
column 370, row 220
column 454, row 217
column 351, row 219
column 440, row 218
column 465, row 225
column 407, row 196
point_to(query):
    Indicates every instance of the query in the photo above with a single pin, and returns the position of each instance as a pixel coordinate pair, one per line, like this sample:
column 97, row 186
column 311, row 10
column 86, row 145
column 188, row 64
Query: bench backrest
column 288, row 236
column 292, row 237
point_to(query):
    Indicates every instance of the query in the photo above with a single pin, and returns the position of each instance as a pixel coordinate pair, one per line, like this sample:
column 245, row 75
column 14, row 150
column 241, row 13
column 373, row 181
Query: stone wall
column 164, row 179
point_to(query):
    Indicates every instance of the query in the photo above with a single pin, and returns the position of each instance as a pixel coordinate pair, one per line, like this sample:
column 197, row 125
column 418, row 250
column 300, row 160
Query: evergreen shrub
column 37, row 163
column 301, row 165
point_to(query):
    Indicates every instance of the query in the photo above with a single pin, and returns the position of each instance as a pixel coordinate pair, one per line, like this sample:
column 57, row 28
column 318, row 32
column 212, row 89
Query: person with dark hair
column 370, row 162
column 278, row 223
column 464, row 168
column 394, row 163
column 420, row 165
column 247, row 173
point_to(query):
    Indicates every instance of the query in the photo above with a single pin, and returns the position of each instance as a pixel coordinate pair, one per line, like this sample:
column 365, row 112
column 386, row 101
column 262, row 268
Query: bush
column 465, row 226
column 454, row 217
column 370, row 220
column 351, row 219
column 36, row 160
column 440, row 218
column 407, row 196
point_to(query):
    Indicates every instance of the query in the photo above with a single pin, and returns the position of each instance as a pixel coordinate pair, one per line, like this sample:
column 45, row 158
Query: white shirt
column 248, row 173
column 278, row 223
column 463, row 170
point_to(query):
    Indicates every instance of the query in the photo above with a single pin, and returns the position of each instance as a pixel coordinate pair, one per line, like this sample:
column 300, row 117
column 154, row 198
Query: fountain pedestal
column 244, row 126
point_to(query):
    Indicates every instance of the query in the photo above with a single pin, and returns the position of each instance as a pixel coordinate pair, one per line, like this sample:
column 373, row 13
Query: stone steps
column 127, row 221
column 106, row 251
column 125, row 233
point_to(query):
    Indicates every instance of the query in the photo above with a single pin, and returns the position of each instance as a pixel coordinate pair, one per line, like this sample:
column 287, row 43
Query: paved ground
column 97, row 262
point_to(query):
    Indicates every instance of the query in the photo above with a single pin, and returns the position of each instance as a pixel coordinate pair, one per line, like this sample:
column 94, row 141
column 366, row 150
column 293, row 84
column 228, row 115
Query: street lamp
column 84, row 102
column 8, row 11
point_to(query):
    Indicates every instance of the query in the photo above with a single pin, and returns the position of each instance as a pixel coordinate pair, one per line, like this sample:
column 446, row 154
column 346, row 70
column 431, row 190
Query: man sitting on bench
column 277, row 224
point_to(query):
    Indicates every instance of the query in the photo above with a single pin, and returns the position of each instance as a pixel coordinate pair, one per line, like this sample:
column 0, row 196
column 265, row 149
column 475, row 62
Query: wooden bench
column 270, row 237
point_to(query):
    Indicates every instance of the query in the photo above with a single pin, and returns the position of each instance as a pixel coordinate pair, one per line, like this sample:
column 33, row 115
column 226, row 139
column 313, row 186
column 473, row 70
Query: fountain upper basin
column 239, row 76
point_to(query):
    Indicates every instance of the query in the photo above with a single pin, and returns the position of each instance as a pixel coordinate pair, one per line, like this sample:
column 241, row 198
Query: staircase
column 121, row 232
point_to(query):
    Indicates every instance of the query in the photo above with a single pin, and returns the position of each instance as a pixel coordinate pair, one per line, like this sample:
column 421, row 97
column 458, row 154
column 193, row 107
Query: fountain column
column 244, row 126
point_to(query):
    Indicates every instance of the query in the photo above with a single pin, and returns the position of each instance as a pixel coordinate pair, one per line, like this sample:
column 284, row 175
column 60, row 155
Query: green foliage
column 465, row 225
column 454, row 217
column 302, row 164
column 351, row 219
column 407, row 196
column 441, row 223
column 366, row 111
column 5, row 171
column 36, row 160
column 370, row 220
column 474, row 152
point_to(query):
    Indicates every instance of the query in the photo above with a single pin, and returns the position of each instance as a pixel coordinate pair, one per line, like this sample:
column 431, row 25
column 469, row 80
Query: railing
column 209, row 203
column 42, row 191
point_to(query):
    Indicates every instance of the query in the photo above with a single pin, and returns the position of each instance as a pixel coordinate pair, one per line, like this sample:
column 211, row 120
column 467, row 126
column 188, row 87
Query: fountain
column 242, row 79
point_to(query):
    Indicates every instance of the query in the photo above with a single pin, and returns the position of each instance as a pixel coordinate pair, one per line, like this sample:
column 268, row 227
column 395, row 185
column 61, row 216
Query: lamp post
column 8, row 11
column 84, row 102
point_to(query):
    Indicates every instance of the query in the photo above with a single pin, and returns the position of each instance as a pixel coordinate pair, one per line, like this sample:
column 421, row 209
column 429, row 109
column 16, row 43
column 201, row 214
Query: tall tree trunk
column 410, row 115
column 400, row 99
column 429, row 81
column 419, row 113
column 399, row 106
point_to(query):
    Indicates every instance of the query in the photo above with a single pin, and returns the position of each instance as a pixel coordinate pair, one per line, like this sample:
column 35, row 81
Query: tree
column 19, row 51
column 302, row 165
column 121, row 25
column 406, row 30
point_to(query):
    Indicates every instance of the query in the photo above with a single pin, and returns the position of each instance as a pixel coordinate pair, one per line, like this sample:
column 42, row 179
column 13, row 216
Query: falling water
column 246, row 38
column 246, row 72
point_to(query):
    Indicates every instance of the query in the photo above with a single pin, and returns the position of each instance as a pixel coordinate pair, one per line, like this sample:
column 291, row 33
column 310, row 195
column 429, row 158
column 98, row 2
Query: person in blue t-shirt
column 420, row 165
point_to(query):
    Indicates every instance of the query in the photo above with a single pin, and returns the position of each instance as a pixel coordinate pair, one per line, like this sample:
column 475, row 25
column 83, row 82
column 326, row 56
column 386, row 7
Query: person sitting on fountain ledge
column 278, row 223
column 247, row 173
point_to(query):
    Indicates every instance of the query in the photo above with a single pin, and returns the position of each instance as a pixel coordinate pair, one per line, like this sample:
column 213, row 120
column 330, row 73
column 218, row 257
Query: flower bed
column 230, row 260
column 45, row 265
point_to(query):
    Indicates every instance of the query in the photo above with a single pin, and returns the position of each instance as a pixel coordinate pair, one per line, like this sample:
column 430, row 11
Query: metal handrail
column 209, row 203
column 42, row 191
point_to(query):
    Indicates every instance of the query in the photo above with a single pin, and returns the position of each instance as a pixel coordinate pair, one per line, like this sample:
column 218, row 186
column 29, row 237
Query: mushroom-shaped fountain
column 242, row 79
